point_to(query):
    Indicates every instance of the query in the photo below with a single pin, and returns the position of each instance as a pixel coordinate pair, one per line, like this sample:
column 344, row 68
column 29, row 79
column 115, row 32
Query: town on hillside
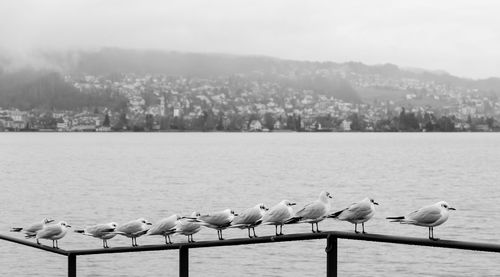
column 247, row 102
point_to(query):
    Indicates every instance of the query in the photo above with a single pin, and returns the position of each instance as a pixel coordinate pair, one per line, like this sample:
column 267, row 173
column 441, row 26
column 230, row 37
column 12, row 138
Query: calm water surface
column 93, row 178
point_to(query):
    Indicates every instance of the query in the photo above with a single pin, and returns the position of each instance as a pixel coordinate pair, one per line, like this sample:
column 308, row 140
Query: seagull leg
column 53, row 244
column 254, row 235
column 37, row 241
column 249, row 235
column 281, row 230
column 221, row 238
column 431, row 236
column 169, row 239
column 356, row 228
column 275, row 227
column 363, row 225
column 103, row 243
column 317, row 228
column 312, row 228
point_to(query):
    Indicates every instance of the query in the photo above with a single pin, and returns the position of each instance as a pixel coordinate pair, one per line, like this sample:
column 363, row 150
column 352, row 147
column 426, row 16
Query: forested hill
column 30, row 89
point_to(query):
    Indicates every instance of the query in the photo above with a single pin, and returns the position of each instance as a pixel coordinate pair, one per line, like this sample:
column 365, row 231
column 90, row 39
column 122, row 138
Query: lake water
column 88, row 178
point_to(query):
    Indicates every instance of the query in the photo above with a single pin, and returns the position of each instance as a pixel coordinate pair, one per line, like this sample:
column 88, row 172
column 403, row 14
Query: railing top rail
column 33, row 244
column 486, row 247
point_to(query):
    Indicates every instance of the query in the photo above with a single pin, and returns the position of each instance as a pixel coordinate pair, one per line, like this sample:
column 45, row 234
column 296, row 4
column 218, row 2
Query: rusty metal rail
column 331, row 247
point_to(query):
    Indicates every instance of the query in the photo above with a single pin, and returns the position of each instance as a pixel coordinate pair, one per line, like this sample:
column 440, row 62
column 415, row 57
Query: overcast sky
column 458, row 36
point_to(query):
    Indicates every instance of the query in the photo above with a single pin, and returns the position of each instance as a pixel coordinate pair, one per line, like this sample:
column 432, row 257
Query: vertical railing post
column 71, row 265
column 331, row 256
column 183, row 261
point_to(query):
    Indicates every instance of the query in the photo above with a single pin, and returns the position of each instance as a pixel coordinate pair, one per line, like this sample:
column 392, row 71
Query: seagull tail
column 31, row 235
column 293, row 220
column 396, row 218
column 16, row 229
column 335, row 214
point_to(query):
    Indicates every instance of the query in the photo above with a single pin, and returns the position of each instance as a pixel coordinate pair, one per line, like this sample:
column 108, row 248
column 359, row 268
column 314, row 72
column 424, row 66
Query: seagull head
column 445, row 205
column 113, row 225
column 287, row 203
column 143, row 221
column 195, row 214
column 64, row 224
column 325, row 194
column 262, row 207
column 373, row 201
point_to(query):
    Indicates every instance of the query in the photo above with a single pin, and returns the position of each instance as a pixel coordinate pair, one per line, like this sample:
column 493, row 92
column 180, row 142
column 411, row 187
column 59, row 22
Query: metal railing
column 331, row 247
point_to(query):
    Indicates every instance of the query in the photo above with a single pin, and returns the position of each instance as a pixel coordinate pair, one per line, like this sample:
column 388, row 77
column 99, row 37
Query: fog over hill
column 329, row 78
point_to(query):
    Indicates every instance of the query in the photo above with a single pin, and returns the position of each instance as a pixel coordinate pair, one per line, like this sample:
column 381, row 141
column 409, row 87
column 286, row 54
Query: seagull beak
column 329, row 196
column 149, row 223
column 451, row 208
column 69, row 226
column 50, row 220
column 291, row 204
column 375, row 203
column 235, row 214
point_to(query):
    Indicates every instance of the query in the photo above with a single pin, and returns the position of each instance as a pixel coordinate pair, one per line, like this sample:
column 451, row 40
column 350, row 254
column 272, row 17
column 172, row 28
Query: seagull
column 165, row 227
column 313, row 212
column 357, row 213
column 133, row 229
column 278, row 215
column 101, row 231
column 428, row 216
column 53, row 232
column 185, row 226
column 31, row 231
column 218, row 221
column 250, row 218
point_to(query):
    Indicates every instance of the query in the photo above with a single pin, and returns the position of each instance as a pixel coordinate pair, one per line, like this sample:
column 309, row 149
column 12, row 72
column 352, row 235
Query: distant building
column 346, row 125
column 255, row 126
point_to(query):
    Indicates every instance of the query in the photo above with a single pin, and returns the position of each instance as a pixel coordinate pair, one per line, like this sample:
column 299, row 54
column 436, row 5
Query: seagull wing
column 34, row 228
column 99, row 230
column 277, row 214
column 49, row 231
column 312, row 211
column 216, row 219
column 355, row 211
column 130, row 227
column 247, row 217
column 425, row 215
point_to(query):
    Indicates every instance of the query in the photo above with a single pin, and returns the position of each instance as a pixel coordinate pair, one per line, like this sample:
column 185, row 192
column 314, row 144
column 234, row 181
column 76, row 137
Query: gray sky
column 458, row 36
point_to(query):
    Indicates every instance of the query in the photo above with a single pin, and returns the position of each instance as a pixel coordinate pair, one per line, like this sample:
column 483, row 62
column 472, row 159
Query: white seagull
column 250, row 218
column 357, row 213
column 53, row 232
column 314, row 212
column 101, row 231
column 133, row 229
column 185, row 226
column 164, row 227
column 31, row 231
column 428, row 216
column 218, row 220
column 278, row 215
